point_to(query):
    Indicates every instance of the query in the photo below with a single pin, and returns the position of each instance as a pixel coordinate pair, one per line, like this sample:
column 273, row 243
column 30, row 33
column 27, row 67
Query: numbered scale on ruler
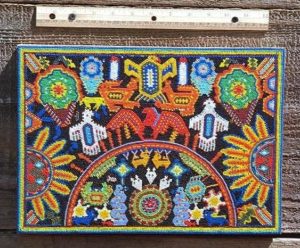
column 152, row 18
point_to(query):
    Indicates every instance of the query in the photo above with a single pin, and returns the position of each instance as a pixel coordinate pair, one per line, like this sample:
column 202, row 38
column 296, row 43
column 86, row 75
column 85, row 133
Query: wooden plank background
column 17, row 27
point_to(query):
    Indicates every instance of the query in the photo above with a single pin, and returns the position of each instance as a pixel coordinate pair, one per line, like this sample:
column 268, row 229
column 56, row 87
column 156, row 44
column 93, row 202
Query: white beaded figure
column 89, row 133
column 208, row 122
column 151, row 175
column 137, row 182
column 164, row 183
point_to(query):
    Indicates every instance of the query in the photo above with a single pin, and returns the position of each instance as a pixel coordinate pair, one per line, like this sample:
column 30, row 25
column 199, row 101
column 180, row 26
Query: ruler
column 152, row 18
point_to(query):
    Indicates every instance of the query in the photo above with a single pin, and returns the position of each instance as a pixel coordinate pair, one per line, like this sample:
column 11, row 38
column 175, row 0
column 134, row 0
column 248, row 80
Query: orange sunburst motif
column 45, row 176
column 251, row 160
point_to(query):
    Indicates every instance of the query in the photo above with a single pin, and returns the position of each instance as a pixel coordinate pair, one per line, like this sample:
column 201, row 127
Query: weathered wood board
column 17, row 26
column 10, row 240
column 266, row 4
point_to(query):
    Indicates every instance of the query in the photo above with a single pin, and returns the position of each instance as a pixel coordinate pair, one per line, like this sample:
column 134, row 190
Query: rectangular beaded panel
column 149, row 139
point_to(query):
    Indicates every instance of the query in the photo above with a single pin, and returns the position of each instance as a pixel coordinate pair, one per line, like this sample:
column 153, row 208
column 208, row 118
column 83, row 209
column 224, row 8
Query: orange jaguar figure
column 184, row 99
column 116, row 97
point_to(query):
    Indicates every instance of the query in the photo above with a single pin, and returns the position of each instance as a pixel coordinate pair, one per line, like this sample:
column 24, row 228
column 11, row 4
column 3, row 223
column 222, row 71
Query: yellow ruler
column 152, row 18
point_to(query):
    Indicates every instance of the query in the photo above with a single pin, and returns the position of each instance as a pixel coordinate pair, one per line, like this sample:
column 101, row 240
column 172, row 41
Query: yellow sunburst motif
column 80, row 210
column 103, row 213
column 239, row 161
column 196, row 214
column 44, row 175
column 213, row 200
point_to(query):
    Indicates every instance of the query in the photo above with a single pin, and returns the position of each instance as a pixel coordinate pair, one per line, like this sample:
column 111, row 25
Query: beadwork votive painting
column 149, row 139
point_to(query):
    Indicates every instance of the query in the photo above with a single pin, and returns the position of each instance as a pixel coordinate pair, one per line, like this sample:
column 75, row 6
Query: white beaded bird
column 89, row 133
column 208, row 122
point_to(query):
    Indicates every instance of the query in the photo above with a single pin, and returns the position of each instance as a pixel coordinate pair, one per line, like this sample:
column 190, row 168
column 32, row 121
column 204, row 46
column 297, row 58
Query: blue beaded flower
column 91, row 67
column 91, row 74
column 203, row 75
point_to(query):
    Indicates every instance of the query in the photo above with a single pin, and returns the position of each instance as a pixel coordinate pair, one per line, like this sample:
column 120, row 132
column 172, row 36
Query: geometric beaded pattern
column 149, row 140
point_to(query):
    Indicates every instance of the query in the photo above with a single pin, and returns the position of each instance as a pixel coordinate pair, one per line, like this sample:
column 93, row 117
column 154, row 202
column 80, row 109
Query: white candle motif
column 114, row 68
column 182, row 71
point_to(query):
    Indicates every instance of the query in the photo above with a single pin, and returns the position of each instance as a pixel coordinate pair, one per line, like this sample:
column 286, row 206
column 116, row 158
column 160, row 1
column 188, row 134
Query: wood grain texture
column 12, row 240
column 17, row 26
column 266, row 4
